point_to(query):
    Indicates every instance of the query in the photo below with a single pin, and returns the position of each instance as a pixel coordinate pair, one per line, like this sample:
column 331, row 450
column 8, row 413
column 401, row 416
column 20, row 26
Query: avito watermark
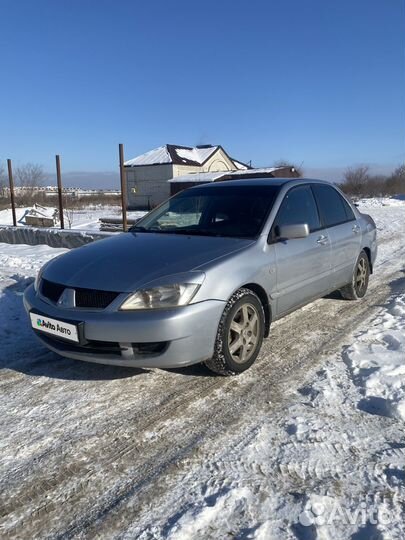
column 331, row 513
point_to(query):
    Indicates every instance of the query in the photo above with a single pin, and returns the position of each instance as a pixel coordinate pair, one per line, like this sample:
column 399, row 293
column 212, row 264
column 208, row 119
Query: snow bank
column 376, row 202
column 87, row 218
column 24, row 260
column 377, row 361
column 55, row 238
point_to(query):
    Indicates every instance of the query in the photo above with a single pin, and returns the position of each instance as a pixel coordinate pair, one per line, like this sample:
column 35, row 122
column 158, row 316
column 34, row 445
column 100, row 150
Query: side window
column 331, row 205
column 298, row 206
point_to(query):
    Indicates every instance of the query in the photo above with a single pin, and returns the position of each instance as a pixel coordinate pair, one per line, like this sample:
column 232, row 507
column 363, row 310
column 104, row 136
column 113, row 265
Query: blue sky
column 317, row 81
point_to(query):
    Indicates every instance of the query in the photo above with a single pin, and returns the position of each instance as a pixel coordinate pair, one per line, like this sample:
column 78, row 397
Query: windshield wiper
column 179, row 230
column 194, row 232
column 138, row 228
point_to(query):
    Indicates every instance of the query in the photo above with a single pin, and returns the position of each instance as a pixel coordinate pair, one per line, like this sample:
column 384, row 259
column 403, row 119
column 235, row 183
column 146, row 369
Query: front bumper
column 188, row 332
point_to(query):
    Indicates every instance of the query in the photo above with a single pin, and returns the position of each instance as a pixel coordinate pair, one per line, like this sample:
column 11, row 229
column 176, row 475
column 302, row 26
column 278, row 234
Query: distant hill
column 111, row 179
column 88, row 180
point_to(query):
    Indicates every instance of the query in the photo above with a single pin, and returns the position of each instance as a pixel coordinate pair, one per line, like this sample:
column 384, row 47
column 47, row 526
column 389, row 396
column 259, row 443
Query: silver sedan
column 202, row 277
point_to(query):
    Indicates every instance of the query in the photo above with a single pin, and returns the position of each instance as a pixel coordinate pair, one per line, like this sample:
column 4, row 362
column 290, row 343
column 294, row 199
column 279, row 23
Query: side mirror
column 288, row 232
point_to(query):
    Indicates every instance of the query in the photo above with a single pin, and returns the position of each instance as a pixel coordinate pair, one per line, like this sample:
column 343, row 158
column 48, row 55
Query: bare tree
column 376, row 186
column 396, row 182
column 400, row 171
column 284, row 163
column 3, row 180
column 68, row 214
column 356, row 180
column 30, row 175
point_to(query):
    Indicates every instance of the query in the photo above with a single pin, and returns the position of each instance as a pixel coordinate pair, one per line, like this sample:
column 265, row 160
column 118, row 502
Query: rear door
column 341, row 225
column 303, row 265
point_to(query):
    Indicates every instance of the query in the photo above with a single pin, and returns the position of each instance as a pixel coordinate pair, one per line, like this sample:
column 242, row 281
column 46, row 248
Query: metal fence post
column 123, row 179
column 60, row 199
column 11, row 183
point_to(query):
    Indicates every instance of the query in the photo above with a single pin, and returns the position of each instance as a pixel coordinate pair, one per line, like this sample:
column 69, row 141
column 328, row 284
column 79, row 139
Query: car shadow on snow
column 22, row 351
column 335, row 295
column 195, row 370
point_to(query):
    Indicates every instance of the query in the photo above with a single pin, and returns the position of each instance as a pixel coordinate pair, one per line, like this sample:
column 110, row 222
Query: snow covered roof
column 214, row 176
column 239, row 165
column 39, row 211
column 200, row 177
column 196, row 154
column 263, row 170
column 170, row 153
column 153, row 157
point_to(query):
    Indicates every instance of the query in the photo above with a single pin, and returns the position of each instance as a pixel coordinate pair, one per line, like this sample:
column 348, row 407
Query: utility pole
column 11, row 183
column 60, row 199
column 123, row 178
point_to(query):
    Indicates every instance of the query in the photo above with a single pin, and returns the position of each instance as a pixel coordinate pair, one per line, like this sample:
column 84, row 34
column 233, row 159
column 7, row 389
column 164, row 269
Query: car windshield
column 235, row 211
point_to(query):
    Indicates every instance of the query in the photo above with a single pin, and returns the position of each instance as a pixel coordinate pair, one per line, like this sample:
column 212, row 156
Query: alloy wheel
column 361, row 275
column 244, row 333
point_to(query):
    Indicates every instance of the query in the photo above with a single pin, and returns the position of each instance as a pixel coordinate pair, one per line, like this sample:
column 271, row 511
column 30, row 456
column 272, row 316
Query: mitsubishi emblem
column 67, row 299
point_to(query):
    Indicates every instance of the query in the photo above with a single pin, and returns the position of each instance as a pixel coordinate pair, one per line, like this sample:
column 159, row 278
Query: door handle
column 322, row 240
column 356, row 229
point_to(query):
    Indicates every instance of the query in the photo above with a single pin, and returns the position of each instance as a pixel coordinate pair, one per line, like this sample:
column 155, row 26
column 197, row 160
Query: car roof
column 259, row 182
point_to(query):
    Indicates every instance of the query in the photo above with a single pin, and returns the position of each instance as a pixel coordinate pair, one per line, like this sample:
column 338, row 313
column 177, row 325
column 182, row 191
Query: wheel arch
column 261, row 293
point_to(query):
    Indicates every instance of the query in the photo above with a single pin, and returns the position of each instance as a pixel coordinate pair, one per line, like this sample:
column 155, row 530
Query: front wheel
column 240, row 334
column 357, row 288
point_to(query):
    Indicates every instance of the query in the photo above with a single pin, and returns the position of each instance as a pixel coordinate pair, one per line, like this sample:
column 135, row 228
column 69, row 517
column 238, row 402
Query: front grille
column 51, row 290
column 85, row 298
column 91, row 298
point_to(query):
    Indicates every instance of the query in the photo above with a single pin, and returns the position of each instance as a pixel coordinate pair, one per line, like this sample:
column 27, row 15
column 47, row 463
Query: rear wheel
column 358, row 286
column 240, row 334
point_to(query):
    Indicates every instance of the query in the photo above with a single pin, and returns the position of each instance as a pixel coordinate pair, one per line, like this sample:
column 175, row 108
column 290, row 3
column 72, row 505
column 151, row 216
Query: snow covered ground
column 86, row 219
column 308, row 444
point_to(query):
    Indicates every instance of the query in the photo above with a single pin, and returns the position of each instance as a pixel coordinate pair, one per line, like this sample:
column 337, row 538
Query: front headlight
column 165, row 296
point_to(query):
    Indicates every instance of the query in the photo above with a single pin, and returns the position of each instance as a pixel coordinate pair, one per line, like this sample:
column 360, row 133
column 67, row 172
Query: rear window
column 349, row 212
column 332, row 207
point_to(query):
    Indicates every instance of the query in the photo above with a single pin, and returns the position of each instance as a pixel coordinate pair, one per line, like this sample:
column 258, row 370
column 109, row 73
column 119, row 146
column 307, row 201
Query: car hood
column 125, row 262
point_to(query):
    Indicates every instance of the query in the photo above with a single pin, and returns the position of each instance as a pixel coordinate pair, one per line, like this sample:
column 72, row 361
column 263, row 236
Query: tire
column 358, row 286
column 241, row 331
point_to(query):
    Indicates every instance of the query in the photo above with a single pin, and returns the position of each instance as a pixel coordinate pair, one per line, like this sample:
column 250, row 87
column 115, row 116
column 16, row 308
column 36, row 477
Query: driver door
column 303, row 265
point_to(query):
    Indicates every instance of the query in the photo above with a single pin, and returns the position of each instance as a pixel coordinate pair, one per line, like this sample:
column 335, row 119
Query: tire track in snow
column 96, row 498
column 128, row 448
column 160, row 470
